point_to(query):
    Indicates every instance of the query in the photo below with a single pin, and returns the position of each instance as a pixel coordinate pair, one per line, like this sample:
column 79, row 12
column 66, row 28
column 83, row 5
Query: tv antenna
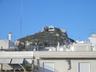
column 21, row 18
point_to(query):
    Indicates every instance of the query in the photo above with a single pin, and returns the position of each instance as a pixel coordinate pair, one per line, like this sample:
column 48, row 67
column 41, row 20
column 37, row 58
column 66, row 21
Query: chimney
column 10, row 36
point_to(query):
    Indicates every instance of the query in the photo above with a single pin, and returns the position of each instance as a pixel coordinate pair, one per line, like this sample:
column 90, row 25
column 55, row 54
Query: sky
column 26, row 17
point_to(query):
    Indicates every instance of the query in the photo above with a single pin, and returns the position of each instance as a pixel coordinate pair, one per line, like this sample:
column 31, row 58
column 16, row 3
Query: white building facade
column 78, row 57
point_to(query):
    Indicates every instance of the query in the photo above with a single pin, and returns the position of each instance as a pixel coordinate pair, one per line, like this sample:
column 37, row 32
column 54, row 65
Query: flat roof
column 45, row 54
column 16, row 54
column 66, row 55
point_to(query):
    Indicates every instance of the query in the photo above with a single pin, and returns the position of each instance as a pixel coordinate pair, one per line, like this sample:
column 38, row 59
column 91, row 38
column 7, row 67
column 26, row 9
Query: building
column 66, row 61
column 45, row 61
column 7, row 44
column 79, row 56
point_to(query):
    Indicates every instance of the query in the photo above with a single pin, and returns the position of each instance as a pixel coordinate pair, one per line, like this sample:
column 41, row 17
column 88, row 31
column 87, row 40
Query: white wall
column 4, row 44
column 62, row 65
column 54, row 65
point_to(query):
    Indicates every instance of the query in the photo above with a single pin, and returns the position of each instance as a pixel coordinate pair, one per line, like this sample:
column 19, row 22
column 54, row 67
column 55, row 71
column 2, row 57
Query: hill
column 50, row 36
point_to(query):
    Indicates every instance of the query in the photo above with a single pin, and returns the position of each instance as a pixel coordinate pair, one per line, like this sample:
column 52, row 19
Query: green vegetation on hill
column 50, row 36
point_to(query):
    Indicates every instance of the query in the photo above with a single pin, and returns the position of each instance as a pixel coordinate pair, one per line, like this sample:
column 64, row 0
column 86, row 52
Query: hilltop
column 50, row 36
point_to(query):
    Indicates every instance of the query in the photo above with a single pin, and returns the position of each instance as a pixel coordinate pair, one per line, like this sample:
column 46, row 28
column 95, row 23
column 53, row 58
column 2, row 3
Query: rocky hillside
column 50, row 36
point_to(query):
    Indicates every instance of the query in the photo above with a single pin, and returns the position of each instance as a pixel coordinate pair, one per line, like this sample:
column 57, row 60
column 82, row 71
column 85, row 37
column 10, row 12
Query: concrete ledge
column 45, row 54
column 78, row 55
column 16, row 54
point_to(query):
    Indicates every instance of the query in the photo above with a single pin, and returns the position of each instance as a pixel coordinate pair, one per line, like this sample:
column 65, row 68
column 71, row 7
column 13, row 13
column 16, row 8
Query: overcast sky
column 25, row 17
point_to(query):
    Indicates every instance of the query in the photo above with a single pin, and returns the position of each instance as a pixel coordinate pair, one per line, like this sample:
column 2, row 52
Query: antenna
column 21, row 18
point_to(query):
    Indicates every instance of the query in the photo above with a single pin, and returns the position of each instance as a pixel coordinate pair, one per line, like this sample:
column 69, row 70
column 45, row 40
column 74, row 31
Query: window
column 48, row 67
column 84, row 67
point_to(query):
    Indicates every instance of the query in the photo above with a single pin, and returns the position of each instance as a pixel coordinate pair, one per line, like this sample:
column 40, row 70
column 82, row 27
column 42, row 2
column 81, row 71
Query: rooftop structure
column 92, row 39
column 7, row 44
